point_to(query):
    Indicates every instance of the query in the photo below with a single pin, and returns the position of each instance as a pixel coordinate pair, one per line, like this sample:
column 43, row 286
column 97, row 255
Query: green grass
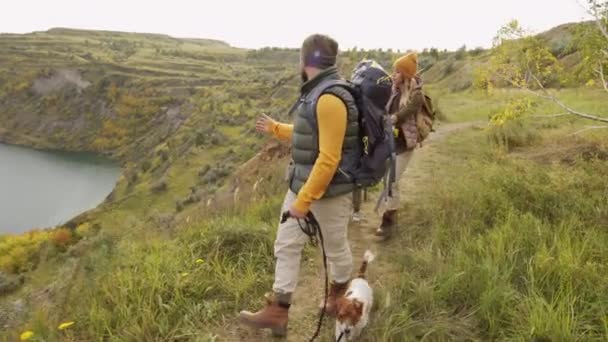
column 477, row 105
column 165, row 285
column 505, row 246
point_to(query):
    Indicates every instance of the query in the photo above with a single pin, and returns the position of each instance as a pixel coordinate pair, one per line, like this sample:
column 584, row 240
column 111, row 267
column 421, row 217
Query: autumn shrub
column 18, row 253
column 61, row 237
column 22, row 253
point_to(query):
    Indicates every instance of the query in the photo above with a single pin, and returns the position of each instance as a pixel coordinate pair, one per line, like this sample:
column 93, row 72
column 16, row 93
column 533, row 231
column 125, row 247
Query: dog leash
column 312, row 229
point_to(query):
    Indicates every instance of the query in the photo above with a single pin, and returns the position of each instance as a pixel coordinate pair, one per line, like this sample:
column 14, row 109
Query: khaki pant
column 403, row 159
column 333, row 215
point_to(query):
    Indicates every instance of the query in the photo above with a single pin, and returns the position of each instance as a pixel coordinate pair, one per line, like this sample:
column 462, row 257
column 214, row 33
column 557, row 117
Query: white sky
column 397, row 24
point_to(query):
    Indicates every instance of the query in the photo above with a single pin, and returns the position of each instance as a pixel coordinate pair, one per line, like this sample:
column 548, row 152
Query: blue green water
column 40, row 189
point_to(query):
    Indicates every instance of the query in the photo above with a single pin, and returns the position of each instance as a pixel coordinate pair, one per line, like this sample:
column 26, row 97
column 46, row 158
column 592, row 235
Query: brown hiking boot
column 273, row 316
column 336, row 290
column 389, row 221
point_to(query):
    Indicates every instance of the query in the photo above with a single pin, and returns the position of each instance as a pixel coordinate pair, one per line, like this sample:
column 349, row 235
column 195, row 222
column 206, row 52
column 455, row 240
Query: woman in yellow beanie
column 403, row 106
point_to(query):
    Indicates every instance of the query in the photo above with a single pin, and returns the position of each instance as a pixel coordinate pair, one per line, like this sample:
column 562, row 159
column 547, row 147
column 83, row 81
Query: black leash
column 312, row 228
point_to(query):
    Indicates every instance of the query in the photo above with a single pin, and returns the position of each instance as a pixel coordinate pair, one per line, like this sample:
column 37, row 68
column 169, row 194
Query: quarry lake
column 40, row 189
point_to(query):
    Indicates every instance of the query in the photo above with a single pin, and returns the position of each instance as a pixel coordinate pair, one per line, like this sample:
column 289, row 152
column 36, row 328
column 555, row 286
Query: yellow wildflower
column 65, row 325
column 200, row 261
column 185, row 274
column 26, row 335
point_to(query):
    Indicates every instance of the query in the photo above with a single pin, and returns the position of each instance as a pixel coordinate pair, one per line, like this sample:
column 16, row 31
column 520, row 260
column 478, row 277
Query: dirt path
column 304, row 311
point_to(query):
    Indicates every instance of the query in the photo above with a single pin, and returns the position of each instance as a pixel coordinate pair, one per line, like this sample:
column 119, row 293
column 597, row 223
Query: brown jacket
column 406, row 117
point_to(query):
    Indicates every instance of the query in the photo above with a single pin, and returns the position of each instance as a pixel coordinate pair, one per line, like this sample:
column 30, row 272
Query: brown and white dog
column 354, row 307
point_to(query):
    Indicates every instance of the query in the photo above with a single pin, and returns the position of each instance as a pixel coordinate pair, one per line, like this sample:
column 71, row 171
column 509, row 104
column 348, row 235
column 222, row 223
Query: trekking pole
column 312, row 228
column 390, row 176
column 393, row 160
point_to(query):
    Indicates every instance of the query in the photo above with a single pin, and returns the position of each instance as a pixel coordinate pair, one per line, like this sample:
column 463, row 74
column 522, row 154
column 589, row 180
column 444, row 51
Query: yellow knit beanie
column 407, row 65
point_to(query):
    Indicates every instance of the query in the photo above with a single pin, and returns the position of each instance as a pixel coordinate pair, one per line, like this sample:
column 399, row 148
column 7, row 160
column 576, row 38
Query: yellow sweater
column 331, row 117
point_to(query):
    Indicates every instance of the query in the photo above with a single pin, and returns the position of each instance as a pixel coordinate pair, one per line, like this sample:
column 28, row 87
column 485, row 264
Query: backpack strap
column 295, row 106
column 325, row 85
column 425, row 103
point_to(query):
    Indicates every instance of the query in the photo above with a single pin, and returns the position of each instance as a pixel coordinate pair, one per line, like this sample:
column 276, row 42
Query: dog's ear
column 358, row 307
column 342, row 308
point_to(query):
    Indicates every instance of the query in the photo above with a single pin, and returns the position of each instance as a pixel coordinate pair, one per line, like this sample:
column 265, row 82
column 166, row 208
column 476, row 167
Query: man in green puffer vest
column 325, row 150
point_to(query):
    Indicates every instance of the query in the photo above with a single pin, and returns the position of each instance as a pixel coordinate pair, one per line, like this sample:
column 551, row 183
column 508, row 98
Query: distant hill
column 454, row 70
column 126, row 35
column 103, row 91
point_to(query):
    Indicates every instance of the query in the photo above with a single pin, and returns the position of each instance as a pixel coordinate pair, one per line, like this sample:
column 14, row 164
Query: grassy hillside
column 123, row 94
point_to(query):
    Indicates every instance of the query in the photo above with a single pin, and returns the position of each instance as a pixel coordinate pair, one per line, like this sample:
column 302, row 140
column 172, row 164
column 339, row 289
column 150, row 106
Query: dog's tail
column 367, row 258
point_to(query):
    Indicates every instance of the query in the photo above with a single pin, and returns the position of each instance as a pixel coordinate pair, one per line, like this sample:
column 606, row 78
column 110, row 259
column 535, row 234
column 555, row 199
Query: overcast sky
column 397, row 24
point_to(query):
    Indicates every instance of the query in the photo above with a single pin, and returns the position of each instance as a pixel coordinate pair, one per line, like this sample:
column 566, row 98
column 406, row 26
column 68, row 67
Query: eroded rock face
column 58, row 80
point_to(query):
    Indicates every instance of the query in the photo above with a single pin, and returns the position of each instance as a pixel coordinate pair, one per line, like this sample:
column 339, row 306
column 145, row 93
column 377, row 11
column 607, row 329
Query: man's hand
column 264, row 124
column 295, row 213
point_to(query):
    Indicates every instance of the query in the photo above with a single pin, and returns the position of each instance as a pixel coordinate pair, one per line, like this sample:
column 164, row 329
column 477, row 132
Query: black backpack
column 371, row 87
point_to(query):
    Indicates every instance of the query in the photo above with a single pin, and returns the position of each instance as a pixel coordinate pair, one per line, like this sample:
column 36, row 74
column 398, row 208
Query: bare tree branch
column 572, row 111
column 551, row 97
column 550, row 115
column 602, row 78
column 588, row 129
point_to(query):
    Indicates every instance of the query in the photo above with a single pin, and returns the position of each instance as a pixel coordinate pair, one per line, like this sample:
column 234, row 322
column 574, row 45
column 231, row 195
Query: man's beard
column 303, row 76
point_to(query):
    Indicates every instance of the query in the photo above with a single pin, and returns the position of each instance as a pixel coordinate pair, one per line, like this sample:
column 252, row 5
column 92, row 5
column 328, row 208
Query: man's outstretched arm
column 265, row 124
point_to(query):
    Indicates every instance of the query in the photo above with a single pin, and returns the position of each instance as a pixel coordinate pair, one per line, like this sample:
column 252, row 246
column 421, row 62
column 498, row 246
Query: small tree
column 461, row 53
column 592, row 40
column 526, row 62
column 434, row 53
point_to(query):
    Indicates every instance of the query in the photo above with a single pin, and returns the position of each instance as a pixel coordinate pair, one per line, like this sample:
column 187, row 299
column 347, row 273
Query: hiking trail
column 304, row 312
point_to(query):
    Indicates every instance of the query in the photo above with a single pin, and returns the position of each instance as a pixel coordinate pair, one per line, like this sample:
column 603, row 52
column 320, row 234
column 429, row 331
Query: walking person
column 325, row 150
column 405, row 103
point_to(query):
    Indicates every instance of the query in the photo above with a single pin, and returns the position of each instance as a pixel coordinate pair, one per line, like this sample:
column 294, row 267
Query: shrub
column 159, row 186
column 461, row 53
column 19, row 253
column 84, row 230
column 512, row 134
column 448, row 67
column 9, row 283
column 61, row 237
column 179, row 206
column 477, row 51
column 146, row 165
